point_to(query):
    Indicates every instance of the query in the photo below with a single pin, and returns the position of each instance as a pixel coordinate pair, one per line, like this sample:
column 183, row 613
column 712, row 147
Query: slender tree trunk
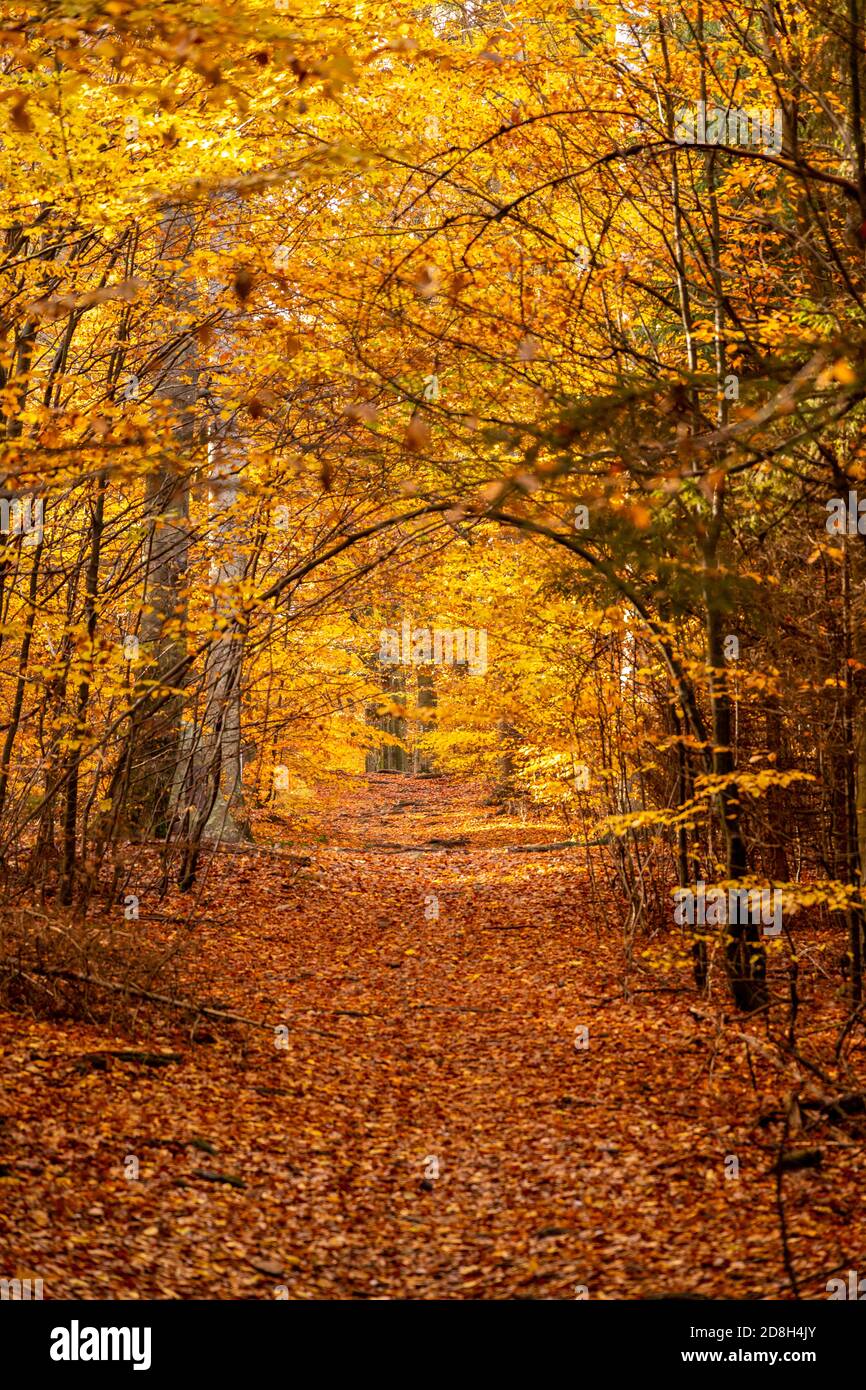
column 218, row 764
column 855, row 787
column 744, row 952
column 155, row 737
column 422, row 762
column 70, row 814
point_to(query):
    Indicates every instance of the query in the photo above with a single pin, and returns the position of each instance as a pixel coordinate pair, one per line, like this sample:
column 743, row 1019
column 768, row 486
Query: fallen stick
column 146, row 1059
column 226, row 847
column 558, row 844
column 459, row 1008
column 532, row 926
column 208, row 1176
column 202, row 1010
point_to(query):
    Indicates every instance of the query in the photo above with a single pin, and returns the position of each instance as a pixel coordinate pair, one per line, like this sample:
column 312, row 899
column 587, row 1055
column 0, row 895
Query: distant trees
column 283, row 358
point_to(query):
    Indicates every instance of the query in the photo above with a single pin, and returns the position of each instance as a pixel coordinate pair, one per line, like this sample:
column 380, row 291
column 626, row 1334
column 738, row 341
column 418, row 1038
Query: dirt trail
column 435, row 1126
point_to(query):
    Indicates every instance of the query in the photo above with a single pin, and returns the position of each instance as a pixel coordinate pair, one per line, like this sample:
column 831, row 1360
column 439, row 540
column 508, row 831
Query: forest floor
column 434, row 1126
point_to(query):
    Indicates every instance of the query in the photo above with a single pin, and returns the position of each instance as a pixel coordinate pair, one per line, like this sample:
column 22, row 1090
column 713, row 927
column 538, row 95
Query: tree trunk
column 745, row 957
column 155, row 737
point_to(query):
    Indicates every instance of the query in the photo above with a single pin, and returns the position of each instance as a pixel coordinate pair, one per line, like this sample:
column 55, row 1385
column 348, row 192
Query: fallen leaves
column 554, row 1168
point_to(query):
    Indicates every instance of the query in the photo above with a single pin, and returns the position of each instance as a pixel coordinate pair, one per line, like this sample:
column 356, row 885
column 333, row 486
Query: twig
column 557, row 844
column 203, row 1010
column 780, row 1202
column 208, row 1176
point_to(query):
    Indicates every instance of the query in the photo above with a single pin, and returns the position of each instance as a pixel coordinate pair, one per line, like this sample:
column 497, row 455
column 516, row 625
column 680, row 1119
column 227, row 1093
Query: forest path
column 430, row 1128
